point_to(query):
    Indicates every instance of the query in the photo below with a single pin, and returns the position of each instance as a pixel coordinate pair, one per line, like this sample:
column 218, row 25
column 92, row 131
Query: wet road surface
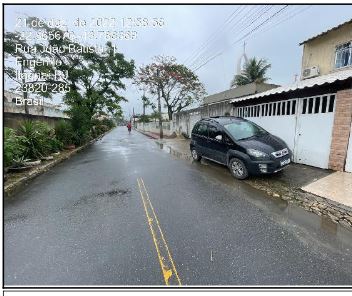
column 127, row 212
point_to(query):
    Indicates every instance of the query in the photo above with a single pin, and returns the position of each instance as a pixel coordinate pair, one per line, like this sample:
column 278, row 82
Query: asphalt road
column 126, row 212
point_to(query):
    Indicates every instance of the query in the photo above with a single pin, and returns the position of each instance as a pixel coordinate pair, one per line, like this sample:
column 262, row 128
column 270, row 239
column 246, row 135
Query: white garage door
column 348, row 167
column 314, row 130
column 305, row 124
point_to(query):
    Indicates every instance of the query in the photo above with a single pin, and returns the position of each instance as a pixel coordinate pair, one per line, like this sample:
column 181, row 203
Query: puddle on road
column 174, row 152
column 116, row 196
column 123, row 150
column 124, row 147
column 87, row 161
column 309, row 227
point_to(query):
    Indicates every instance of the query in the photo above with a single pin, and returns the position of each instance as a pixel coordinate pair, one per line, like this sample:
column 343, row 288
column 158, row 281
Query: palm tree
column 254, row 71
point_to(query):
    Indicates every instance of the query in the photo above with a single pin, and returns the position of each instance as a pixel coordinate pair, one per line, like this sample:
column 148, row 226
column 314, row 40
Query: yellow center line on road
column 167, row 264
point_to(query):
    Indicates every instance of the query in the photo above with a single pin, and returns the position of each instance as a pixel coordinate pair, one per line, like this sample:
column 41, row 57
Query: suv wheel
column 195, row 154
column 238, row 169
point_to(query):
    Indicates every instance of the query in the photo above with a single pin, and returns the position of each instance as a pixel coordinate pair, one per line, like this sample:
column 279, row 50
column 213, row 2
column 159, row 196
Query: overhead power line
column 244, row 36
column 243, row 25
column 253, row 12
column 257, row 27
column 215, row 34
column 284, row 19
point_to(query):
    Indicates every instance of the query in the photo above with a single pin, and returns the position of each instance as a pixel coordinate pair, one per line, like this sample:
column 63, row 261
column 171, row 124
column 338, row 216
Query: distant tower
column 242, row 61
column 240, row 65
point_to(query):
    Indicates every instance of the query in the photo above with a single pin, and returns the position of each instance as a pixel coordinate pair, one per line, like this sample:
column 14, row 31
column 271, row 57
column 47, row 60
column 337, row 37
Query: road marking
column 167, row 264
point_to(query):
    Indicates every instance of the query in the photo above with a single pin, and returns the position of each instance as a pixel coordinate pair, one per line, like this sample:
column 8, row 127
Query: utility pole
column 161, row 135
column 296, row 76
column 143, row 103
column 143, row 99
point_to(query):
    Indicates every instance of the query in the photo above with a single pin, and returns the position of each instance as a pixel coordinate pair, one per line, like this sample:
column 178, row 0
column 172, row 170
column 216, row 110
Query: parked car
column 243, row 146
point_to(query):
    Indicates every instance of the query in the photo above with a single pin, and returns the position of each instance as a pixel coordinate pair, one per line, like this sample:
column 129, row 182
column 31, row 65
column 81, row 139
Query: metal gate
column 305, row 124
column 315, row 120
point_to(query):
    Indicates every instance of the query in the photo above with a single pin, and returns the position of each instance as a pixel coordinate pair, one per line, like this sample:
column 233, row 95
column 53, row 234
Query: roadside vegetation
column 33, row 141
column 153, row 117
column 88, row 82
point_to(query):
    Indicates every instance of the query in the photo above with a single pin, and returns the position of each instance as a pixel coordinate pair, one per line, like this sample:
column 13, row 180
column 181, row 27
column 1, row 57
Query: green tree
column 17, row 62
column 177, row 85
column 154, row 115
column 254, row 71
column 144, row 118
column 147, row 102
column 93, row 78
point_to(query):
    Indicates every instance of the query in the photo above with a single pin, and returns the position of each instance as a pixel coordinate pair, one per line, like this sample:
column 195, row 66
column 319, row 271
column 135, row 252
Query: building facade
column 312, row 115
column 215, row 105
column 327, row 52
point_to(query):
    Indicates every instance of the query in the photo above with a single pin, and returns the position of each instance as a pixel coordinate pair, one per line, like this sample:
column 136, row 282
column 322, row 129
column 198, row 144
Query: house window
column 283, row 104
column 324, row 104
column 293, row 111
column 288, row 108
column 343, row 55
column 331, row 103
column 317, row 105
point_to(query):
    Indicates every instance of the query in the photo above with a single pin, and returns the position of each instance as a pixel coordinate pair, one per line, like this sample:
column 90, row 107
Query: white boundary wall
column 153, row 127
column 348, row 166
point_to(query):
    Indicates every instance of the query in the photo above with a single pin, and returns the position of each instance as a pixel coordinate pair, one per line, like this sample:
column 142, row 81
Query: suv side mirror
column 219, row 137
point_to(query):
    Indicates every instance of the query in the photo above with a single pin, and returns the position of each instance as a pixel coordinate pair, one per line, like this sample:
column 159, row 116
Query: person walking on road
column 129, row 127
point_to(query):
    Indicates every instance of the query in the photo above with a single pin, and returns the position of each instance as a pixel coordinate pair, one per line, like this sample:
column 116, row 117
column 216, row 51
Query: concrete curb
column 12, row 188
column 335, row 211
column 156, row 137
column 148, row 134
column 321, row 206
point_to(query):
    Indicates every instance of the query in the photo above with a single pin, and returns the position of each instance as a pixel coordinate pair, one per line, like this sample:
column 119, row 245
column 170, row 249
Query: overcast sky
column 270, row 32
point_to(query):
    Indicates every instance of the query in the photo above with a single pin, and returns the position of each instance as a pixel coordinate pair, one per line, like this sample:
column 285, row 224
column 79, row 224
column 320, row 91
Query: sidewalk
column 154, row 135
column 336, row 186
column 324, row 192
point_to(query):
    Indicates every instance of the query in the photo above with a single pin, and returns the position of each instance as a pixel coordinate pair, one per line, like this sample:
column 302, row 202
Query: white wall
column 153, row 127
column 348, row 166
column 34, row 110
column 193, row 119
